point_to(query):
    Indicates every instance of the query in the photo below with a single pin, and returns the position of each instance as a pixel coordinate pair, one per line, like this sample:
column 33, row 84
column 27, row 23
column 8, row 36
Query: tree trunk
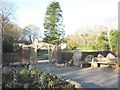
column 85, row 42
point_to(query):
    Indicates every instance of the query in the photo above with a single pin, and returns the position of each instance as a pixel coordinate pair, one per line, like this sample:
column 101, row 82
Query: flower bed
column 19, row 76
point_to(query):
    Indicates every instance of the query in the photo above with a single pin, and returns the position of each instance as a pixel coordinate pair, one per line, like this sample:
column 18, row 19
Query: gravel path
column 88, row 77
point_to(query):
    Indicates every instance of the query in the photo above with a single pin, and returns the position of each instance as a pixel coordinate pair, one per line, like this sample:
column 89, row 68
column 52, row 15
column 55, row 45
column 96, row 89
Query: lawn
column 82, row 50
column 41, row 52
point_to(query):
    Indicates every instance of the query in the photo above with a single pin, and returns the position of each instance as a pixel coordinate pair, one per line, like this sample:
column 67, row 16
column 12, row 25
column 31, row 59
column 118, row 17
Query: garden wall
column 104, row 53
column 23, row 57
column 68, row 56
column 12, row 57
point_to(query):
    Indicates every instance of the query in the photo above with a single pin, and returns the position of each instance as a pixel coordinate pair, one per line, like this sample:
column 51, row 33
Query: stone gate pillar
column 33, row 56
column 25, row 54
column 51, row 54
column 33, row 53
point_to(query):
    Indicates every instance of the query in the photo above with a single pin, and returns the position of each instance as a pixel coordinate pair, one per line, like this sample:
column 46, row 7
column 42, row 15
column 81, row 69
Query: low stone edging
column 77, row 85
column 117, row 67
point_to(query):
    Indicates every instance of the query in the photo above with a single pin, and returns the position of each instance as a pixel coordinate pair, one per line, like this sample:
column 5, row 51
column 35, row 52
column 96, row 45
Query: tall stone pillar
column 25, row 54
column 33, row 53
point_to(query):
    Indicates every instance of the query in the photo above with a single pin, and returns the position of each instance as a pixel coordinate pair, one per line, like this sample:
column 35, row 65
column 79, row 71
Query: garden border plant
column 17, row 77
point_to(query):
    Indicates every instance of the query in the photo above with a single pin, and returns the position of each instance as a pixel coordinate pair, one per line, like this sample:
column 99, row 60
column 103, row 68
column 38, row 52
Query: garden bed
column 20, row 76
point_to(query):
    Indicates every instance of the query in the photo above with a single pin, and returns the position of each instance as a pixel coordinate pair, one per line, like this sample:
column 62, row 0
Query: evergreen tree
column 54, row 33
column 53, row 23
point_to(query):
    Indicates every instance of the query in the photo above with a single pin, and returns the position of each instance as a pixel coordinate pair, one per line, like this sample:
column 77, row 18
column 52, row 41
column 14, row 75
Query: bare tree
column 7, row 12
column 31, row 33
column 85, row 38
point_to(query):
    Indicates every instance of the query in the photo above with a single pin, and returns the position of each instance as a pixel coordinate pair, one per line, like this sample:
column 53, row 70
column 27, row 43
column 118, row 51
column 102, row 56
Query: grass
column 41, row 52
column 82, row 50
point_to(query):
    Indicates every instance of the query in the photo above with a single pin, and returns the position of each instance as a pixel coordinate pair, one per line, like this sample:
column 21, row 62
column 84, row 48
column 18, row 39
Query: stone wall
column 23, row 57
column 12, row 57
column 104, row 53
column 68, row 56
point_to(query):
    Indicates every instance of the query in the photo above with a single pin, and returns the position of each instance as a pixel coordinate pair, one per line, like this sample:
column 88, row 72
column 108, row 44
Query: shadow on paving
column 43, row 57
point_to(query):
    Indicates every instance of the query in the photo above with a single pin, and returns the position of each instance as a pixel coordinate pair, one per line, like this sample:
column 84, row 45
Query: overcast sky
column 76, row 13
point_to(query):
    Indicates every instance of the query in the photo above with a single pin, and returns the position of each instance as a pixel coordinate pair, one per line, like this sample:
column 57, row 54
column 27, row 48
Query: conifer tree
column 53, row 23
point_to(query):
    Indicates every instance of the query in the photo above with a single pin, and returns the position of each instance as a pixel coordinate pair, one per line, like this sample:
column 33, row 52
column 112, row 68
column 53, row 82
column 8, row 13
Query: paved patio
column 88, row 77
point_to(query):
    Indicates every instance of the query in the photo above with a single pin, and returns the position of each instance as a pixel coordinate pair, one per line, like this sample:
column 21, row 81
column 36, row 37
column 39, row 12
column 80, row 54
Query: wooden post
column 119, row 15
column 118, row 29
column 1, row 51
column 0, row 39
column 94, row 64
